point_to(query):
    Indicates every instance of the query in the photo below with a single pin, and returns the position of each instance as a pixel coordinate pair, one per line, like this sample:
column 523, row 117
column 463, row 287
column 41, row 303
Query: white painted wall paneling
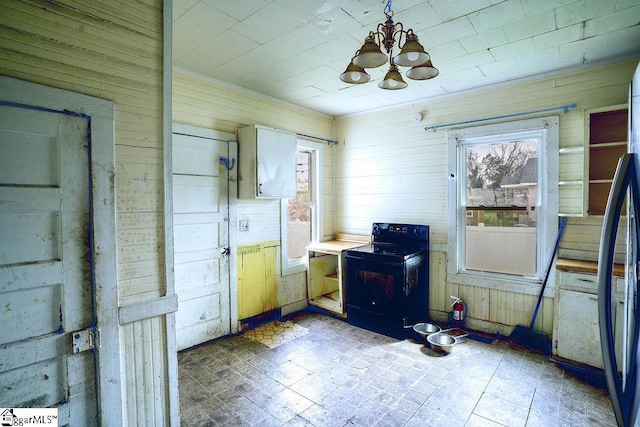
column 114, row 52
column 199, row 101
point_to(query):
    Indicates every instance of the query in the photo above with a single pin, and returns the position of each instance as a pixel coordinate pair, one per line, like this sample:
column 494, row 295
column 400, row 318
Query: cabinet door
column 578, row 330
column 276, row 168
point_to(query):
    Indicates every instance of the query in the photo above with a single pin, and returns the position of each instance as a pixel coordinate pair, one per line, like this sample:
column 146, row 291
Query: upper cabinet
column 608, row 133
column 267, row 163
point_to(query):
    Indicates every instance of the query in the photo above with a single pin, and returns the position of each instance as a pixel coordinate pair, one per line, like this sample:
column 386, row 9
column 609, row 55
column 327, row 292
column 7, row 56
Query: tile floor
column 334, row 374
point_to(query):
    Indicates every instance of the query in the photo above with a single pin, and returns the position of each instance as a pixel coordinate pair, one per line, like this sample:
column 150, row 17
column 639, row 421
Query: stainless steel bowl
column 426, row 329
column 441, row 342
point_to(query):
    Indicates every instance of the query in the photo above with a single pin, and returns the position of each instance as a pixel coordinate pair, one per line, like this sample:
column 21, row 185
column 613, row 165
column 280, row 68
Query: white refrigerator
column 622, row 372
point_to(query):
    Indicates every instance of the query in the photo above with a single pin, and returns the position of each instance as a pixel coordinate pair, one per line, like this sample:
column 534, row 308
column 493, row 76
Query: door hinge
column 85, row 339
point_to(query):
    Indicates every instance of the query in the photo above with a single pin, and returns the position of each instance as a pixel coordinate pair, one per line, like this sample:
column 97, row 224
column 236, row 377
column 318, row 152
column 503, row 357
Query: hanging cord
column 564, row 107
column 387, row 9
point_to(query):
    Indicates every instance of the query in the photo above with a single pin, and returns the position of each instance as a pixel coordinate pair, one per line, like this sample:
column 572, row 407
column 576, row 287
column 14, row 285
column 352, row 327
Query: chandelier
column 370, row 55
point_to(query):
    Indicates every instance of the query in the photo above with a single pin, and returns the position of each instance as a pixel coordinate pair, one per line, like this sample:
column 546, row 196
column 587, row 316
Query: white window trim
column 299, row 265
column 547, row 196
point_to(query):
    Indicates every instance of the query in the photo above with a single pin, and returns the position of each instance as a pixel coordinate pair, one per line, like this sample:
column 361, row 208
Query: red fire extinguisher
column 459, row 311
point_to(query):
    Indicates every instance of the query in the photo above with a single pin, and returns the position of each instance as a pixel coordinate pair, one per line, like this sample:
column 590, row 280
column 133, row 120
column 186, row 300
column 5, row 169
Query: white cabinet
column 267, row 163
column 326, row 274
column 576, row 326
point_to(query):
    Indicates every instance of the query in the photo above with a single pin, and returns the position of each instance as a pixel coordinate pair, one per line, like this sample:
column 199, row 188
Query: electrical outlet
column 243, row 225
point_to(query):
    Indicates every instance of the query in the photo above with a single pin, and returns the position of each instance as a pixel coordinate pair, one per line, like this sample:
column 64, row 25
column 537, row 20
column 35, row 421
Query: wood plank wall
column 389, row 168
column 257, row 279
column 199, row 101
column 112, row 50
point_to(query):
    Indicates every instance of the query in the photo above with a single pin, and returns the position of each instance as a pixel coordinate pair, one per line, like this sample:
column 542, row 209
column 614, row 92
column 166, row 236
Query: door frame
column 100, row 116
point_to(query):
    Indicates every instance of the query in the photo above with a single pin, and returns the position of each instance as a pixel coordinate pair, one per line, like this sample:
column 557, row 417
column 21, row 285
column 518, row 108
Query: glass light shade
column 423, row 72
column 354, row 75
column 370, row 55
column 412, row 53
column 392, row 80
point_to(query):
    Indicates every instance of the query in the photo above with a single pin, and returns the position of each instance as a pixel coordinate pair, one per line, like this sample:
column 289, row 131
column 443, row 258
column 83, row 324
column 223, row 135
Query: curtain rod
column 564, row 107
column 328, row 141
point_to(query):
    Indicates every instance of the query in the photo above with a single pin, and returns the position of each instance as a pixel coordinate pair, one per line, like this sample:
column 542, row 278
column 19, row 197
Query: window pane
column 501, row 241
column 303, row 176
column 500, row 200
column 299, row 210
column 502, row 174
column 299, row 231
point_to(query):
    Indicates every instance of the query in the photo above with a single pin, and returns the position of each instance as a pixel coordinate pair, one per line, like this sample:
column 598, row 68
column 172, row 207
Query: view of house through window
column 500, row 203
column 299, row 210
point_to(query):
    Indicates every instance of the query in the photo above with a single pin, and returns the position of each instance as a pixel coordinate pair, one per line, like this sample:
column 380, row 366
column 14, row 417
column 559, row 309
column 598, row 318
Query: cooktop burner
column 397, row 242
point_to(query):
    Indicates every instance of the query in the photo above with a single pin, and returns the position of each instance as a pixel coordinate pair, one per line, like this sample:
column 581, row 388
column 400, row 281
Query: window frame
column 298, row 265
column 546, row 204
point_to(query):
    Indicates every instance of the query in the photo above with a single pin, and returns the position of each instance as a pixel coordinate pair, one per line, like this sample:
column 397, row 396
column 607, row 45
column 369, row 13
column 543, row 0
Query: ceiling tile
column 418, row 17
column 521, row 47
column 239, row 9
column 503, row 13
column 537, row 62
column 213, row 54
column 558, row 37
column 447, row 51
column 181, row 6
column 624, row 4
column 581, row 47
column 582, row 11
column 197, row 26
column 615, row 21
column 484, row 40
column 449, row 10
column 330, row 85
column 450, row 31
column 620, row 39
column 342, row 48
column 473, row 60
column 534, row 7
column 461, row 80
column 320, row 7
column 538, row 24
column 259, row 28
column 502, row 67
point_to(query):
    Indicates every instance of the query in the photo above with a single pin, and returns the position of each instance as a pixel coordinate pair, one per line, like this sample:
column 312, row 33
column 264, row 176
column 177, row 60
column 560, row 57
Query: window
column 503, row 202
column 300, row 215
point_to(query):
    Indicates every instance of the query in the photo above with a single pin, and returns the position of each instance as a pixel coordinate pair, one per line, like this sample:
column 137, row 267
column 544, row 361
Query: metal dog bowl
column 425, row 329
column 441, row 342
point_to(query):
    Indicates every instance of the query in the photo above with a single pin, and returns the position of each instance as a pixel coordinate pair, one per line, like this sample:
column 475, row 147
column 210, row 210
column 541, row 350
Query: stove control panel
column 384, row 231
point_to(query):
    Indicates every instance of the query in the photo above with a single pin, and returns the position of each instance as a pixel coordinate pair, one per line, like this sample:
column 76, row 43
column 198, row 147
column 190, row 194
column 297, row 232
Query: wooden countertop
column 342, row 242
column 589, row 267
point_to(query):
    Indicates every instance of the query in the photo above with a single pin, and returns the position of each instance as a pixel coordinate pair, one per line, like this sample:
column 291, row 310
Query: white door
column 201, row 217
column 45, row 269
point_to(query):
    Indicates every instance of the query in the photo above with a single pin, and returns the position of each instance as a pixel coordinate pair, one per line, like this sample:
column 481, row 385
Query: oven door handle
column 374, row 262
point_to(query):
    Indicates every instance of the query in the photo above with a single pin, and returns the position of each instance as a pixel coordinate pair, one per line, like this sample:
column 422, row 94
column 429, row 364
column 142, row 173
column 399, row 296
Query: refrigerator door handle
column 622, row 390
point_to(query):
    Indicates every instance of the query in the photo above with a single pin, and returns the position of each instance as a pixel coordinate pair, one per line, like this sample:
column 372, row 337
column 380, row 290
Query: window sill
column 294, row 268
column 501, row 283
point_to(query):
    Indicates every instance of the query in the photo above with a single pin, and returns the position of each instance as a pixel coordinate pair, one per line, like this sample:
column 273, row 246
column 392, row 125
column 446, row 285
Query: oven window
column 374, row 291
